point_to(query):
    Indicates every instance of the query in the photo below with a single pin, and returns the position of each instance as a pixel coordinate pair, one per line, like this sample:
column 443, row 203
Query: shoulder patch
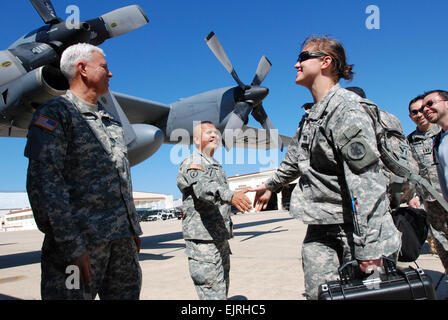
column 195, row 166
column 356, row 150
column 46, row 123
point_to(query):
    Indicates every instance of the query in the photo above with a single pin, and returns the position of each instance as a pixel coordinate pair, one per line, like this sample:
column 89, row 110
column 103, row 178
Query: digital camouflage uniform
column 422, row 149
column 399, row 189
column 334, row 154
column 80, row 191
column 206, row 224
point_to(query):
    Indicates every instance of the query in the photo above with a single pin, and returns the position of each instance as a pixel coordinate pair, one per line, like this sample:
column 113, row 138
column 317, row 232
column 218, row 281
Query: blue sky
column 168, row 59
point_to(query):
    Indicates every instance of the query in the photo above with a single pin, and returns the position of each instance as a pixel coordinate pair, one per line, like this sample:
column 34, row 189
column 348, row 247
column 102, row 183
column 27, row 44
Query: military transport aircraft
column 30, row 75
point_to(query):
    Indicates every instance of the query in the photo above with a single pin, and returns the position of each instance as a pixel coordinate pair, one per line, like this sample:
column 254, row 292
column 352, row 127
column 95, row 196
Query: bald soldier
column 206, row 224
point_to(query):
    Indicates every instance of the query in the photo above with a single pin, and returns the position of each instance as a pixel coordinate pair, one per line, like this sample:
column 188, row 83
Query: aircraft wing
column 13, row 132
column 137, row 110
column 254, row 138
column 140, row 110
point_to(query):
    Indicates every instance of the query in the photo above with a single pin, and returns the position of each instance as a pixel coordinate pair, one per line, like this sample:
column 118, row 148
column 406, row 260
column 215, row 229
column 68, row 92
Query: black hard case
column 393, row 284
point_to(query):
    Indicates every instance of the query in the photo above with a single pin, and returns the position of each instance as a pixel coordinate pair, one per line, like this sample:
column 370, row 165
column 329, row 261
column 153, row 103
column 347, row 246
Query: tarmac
column 265, row 262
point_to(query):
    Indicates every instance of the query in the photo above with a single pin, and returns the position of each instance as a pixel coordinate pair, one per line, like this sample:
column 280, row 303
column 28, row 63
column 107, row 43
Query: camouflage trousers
column 116, row 272
column 324, row 249
column 438, row 218
column 209, row 264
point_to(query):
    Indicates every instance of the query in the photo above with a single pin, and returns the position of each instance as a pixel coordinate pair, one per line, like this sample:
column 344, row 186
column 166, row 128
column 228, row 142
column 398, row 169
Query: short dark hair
column 442, row 93
column 419, row 97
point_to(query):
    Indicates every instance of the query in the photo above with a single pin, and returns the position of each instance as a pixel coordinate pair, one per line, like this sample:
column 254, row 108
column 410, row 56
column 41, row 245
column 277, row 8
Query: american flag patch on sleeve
column 46, row 123
column 195, row 166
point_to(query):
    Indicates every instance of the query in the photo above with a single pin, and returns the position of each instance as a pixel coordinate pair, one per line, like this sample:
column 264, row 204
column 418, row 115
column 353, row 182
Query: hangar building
column 16, row 214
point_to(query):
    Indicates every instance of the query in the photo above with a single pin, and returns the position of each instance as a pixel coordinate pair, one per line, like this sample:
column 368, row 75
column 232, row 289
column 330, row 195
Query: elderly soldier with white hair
column 80, row 190
column 206, row 224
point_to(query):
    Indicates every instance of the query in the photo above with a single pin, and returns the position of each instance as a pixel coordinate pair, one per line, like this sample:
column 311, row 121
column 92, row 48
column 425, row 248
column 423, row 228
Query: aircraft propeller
column 249, row 98
column 94, row 31
column 46, row 11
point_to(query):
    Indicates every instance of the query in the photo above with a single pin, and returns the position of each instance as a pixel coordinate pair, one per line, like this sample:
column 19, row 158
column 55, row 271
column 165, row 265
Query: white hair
column 73, row 55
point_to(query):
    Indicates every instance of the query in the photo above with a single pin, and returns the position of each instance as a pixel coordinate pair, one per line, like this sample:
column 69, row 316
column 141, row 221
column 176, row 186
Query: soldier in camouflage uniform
column 421, row 141
column 79, row 187
column 341, row 193
column 206, row 223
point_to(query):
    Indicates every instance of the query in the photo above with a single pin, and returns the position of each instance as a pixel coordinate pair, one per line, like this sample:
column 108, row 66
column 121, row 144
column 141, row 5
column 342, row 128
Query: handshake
column 243, row 204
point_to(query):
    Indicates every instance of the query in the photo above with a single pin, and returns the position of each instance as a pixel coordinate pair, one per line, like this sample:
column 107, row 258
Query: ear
column 326, row 62
column 81, row 67
column 197, row 140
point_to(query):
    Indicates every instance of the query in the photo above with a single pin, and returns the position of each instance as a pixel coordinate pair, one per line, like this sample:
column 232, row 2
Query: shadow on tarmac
column 6, row 297
column 19, row 259
column 149, row 242
column 253, row 234
column 257, row 223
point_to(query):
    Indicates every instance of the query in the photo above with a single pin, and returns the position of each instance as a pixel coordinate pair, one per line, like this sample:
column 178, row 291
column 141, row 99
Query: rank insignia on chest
column 46, row 123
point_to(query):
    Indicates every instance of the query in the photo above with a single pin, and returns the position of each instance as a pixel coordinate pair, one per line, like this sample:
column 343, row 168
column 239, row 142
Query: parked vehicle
column 179, row 214
column 149, row 215
column 168, row 214
column 158, row 214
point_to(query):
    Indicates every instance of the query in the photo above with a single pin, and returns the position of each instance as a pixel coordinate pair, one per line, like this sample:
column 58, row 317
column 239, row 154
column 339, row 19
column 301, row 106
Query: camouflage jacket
column 422, row 150
column 334, row 152
column 400, row 190
column 78, row 179
column 206, row 198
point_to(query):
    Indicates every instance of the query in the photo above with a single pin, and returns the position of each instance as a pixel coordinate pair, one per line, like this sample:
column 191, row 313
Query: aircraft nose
column 256, row 93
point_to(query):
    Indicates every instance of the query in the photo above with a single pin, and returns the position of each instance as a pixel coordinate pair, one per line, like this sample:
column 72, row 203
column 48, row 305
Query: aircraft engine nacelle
column 49, row 82
column 215, row 106
column 19, row 98
column 148, row 141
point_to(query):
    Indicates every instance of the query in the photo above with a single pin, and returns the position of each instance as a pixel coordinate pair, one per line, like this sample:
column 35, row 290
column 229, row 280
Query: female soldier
column 341, row 193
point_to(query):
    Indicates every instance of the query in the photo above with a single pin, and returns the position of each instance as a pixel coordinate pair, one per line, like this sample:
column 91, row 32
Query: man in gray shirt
column 435, row 109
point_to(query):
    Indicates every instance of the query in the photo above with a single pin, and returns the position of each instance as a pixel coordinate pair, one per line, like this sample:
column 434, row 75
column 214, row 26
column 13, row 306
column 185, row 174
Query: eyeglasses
column 416, row 111
column 430, row 103
column 305, row 55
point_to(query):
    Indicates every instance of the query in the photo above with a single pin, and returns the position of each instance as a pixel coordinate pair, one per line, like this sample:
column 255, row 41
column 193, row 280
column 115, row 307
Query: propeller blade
column 46, row 11
column 236, row 121
column 112, row 106
column 264, row 66
column 218, row 50
column 116, row 23
column 260, row 115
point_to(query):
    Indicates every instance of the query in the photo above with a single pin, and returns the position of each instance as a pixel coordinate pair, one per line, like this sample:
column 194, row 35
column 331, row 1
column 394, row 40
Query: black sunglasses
column 416, row 111
column 430, row 103
column 305, row 55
